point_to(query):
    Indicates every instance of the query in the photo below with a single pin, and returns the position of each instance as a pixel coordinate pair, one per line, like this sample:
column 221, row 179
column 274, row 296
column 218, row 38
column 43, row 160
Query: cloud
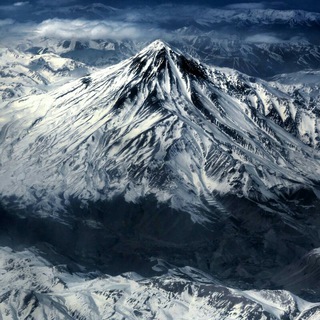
column 246, row 5
column 21, row 4
column 55, row 3
column 88, row 29
column 12, row 32
column 264, row 38
column 256, row 5
column 6, row 22
column 15, row 6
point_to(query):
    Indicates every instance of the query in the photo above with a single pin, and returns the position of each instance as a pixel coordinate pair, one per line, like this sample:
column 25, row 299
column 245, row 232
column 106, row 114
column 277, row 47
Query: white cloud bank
column 255, row 5
column 87, row 29
column 21, row 4
column 264, row 38
column 6, row 22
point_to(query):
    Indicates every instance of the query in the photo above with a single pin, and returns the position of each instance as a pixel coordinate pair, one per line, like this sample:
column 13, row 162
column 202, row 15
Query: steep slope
column 159, row 124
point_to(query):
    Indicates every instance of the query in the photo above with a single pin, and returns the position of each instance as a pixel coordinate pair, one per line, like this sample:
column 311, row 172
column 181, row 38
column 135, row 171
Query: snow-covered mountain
column 23, row 73
column 159, row 124
column 262, row 55
column 245, row 54
column 98, row 52
column 32, row 287
column 162, row 156
column 201, row 15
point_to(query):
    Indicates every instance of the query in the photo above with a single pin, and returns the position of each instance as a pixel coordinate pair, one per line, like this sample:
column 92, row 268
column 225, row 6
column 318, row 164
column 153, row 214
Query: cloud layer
column 264, row 38
column 88, row 29
column 246, row 5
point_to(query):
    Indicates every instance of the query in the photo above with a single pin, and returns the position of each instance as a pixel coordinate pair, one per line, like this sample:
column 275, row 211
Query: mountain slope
column 160, row 124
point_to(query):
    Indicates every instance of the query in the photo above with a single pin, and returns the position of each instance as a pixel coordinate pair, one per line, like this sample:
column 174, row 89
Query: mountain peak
column 161, row 56
column 158, row 45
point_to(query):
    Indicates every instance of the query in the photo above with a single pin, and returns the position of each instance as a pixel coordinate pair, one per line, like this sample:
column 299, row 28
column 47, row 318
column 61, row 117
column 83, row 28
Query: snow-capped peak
column 157, row 45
